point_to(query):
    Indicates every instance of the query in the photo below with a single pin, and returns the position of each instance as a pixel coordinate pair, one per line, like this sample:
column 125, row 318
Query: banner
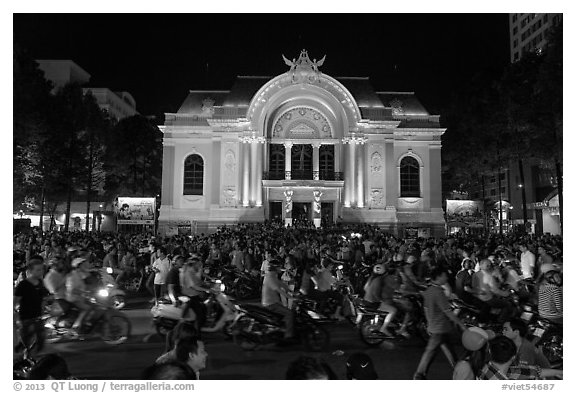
column 138, row 211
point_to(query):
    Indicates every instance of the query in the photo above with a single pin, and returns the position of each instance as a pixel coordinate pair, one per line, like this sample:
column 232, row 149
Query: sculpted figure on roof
column 304, row 70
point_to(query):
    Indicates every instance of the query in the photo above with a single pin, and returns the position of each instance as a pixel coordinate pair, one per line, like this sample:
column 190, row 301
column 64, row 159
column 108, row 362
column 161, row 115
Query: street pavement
column 93, row 359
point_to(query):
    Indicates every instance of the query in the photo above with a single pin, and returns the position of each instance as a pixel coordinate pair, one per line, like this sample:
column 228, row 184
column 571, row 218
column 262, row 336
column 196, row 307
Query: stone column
column 288, row 160
column 316, row 160
column 245, row 173
column 350, row 181
column 360, row 165
column 256, row 172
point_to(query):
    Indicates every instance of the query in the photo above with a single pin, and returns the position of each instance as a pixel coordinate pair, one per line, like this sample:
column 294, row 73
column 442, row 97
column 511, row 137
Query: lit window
column 409, row 177
column 194, row 175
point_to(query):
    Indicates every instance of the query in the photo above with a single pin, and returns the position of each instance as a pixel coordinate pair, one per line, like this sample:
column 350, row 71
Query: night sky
column 158, row 58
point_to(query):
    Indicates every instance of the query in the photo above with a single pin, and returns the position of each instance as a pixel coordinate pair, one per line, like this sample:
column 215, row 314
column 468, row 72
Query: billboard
column 463, row 213
column 134, row 210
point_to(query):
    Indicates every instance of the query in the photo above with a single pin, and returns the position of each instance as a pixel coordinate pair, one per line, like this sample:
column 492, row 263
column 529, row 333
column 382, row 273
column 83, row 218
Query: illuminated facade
column 302, row 145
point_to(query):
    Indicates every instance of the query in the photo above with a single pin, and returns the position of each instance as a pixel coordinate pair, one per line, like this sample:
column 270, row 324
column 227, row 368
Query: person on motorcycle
column 410, row 283
column 486, row 290
column 324, row 281
column 193, row 287
column 111, row 258
column 55, row 282
column 463, row 287
column 272, row 290
column 76, row 289
column 516, row 330
column 376, row 295
column 127, row 266
column 28, row 297
column 550, row 294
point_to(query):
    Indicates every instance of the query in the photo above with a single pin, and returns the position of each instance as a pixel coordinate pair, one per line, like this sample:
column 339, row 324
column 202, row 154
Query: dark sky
column 159, row 57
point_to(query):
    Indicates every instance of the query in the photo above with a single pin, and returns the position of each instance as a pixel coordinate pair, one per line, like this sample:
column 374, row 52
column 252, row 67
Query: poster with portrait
column 134, row 210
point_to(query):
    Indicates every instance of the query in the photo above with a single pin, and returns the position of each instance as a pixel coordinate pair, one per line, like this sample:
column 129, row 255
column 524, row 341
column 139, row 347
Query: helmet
column 379, row 268
column 553, row 277
column 474, row 338
column 77, row 262
column 468, row 264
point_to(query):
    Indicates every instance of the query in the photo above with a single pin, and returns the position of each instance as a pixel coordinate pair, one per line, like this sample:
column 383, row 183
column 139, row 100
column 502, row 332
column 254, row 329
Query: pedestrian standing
column 441, row 321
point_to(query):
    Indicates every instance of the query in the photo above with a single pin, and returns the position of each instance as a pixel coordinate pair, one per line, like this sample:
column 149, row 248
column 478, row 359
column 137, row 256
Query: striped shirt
column 435, row 307
column 550, row 301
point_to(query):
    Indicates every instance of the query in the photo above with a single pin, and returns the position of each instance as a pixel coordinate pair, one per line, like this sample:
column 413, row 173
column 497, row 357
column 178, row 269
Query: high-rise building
column 529, row 32
column 119, row 104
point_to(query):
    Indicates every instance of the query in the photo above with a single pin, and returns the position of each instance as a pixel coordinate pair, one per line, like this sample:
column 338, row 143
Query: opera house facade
column 302, row 146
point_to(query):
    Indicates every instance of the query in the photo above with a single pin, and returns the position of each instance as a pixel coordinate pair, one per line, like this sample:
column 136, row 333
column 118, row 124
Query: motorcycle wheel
column 118, row 301
column 246, row 342
column 368, row 327
column 162, row 330
column 316, row 339
column 552, row 347
column 116, row 330
column 243, row 292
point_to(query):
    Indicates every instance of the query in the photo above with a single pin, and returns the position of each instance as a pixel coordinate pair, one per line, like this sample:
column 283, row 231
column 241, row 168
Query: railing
column 303, row 175
column 331, row 176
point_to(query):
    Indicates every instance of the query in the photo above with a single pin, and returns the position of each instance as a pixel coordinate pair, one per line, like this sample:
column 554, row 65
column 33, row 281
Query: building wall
column 529, row 32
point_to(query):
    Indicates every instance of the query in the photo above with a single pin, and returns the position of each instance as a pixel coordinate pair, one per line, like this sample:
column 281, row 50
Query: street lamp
column 520, row 185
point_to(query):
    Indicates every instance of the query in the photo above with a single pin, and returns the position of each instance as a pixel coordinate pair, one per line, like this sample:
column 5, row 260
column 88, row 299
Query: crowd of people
column 480, row 270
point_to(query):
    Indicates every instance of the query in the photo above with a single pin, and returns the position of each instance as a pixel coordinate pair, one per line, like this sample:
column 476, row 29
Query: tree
column 134, row 158
column 93, row 139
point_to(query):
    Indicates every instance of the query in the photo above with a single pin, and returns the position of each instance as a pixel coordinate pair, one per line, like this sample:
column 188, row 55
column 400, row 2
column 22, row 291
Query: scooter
column 256, row 325
column 102, row 321
column 221, row 310
column 167, row 315
column 109, row 289
column 369, row 321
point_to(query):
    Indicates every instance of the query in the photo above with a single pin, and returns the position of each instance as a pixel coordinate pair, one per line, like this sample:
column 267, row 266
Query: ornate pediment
column 302, row 122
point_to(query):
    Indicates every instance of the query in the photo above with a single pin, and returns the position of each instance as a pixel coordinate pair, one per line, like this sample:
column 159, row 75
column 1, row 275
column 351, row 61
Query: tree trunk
column 52, row 212
column 42, row 213
column 524, row 211
column 134, row 176
column 500, row 199
column 89, row 179
column 485, row 211
column 560, row 196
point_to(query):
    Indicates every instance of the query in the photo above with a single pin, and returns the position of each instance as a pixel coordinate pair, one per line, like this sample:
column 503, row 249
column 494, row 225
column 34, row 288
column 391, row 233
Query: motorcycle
column 221, row 311
column 369, row 321
column 167, row 315
column 241, row 285
column 255, row 325
column 108, row 289
column 102, row 321
column 548, row 337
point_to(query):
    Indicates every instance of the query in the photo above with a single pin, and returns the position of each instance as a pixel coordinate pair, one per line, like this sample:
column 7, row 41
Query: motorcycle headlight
column 103, row 293
column 109, row 270
column 222, row 287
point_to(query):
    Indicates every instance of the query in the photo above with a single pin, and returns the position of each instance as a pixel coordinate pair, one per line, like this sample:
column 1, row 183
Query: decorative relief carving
column 229, row 196
column 396, row 105
column 410, row 203
column 302, row 122
column 377, row 199
column 376, row 162
column 208, row 107
column 230, row 162
column 288, row 195
column 317, row 206
column 304, row 70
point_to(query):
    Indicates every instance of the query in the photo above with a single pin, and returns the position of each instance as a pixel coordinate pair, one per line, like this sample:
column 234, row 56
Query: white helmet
column 77, row 262
column 378, row 268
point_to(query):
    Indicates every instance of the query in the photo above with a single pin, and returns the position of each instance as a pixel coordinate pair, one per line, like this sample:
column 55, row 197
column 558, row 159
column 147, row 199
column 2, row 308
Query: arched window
column 194, row 175
column 409, row 177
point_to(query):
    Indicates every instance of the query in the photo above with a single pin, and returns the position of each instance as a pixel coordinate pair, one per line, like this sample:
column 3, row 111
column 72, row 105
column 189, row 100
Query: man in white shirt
column 527, row 262
column 161, row 267
column 486, row 289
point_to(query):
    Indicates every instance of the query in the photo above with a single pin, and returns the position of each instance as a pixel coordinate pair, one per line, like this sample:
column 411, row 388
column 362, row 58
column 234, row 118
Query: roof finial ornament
column 304, row 70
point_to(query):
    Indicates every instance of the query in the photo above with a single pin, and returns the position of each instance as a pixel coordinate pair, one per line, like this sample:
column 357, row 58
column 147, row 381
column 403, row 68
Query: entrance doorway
column 327, row 214
column 302, row 212
column 275, row 211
